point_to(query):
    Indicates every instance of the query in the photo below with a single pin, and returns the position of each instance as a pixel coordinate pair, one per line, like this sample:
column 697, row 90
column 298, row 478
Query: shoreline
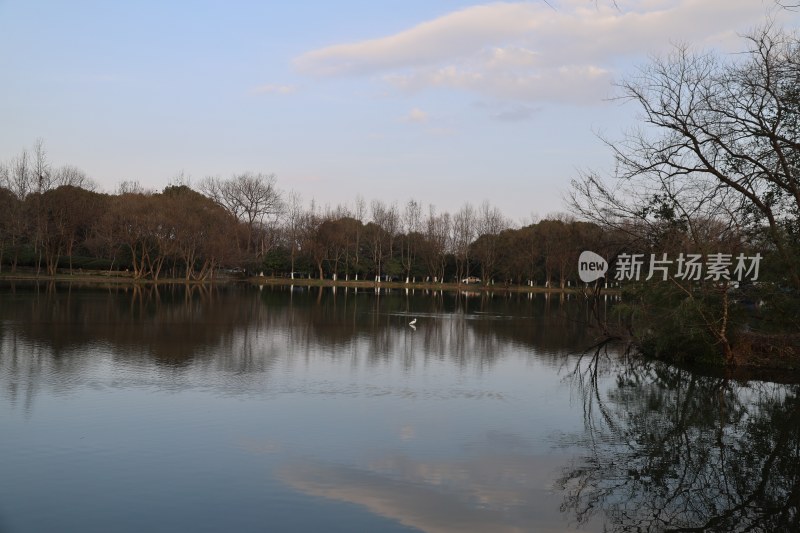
column 364, row 284
column 97, row 278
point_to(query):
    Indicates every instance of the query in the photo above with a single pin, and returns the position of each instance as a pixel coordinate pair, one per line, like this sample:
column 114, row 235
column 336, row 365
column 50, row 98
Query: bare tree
column 132, row 187
column 16, row 180
column 391, row 225
column 127, row 219
column 293, row 227
column 313, row 245
column 252, row 198
column 438, row 237
column 72, row 175
column 490, row 222
column 42, row 172
column 722, row 141
column 42, row 181
column 378, row 239
column 359, row 213
column 464, row 227
column 412, row 222
column 19, row 176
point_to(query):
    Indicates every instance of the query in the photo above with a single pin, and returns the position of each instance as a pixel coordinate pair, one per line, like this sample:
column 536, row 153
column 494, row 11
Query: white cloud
column 416, row 115
column 272, row 88
column 584, row 84
column 457, row 34
column 526, row 51
column 511, row 56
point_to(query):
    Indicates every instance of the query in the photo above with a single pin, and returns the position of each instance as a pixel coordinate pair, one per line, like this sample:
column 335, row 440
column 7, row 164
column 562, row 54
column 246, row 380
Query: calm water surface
column 239, row 409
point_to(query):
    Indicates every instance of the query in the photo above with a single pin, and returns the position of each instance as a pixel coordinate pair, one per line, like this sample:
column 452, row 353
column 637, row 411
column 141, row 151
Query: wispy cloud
column 526, row 51
column 416, row 115
column 510, row 112
column 272, row 88
column 577, row 84
column 453, row 35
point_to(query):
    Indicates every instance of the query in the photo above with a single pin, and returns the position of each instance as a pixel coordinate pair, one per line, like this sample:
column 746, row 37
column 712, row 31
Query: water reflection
column 471, row 422
column 195, row 329
column 671, row 450
column 485, row 493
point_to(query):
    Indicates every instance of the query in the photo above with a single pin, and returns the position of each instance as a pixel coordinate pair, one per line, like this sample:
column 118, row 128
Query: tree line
column 54, row 218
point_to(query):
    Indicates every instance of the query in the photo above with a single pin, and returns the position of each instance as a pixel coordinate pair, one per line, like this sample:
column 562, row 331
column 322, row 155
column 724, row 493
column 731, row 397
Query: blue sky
column 442, row 101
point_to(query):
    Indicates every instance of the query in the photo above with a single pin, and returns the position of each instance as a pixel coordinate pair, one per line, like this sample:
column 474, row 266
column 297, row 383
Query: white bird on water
column 412, row 322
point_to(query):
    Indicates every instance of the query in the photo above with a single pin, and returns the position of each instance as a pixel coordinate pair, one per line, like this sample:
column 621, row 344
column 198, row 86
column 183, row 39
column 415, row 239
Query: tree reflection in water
column 673, row 450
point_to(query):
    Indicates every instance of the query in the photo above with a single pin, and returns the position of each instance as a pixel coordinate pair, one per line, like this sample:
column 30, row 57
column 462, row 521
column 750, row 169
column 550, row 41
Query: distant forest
column 54, row 219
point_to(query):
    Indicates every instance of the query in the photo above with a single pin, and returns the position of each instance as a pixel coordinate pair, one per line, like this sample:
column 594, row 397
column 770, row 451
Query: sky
column 446, row 102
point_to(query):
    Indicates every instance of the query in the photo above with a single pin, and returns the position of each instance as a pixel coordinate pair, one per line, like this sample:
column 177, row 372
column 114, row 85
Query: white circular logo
column 591, row 267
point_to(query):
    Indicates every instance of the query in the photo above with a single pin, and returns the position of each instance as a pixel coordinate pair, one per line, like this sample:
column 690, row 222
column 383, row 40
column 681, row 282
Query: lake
column 242, row 409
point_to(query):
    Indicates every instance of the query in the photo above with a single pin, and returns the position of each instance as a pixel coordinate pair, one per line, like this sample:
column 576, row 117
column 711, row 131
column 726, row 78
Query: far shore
column 120, row 278
column 366, row 284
